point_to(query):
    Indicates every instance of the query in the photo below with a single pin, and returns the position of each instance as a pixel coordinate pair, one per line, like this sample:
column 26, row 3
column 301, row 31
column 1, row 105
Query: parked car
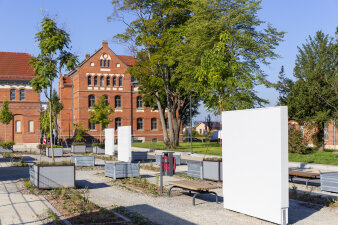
column 193, row 140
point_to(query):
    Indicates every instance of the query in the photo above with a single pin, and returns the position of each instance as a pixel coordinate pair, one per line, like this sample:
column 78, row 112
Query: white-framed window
column 120, row 82
column 326, row 132
column 31, row 126
column 22, row 95
column 118, row 123
column 91, row 101
column 139, row 102
column 12, row 94
column 101, row 81
column 154, row 124
column 91, row 126
column 18, row 126
column 117, row 101
column 139, row 124
column 118, row 65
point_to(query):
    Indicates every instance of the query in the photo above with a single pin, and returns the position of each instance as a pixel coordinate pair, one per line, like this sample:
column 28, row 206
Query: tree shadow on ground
column 13, row 173
column 157, row 215
column 299, row 210
column 90, row 185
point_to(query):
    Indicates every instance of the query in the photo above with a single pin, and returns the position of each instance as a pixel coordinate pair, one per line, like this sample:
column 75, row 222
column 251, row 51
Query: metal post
column 190, row 127
column 161, row 175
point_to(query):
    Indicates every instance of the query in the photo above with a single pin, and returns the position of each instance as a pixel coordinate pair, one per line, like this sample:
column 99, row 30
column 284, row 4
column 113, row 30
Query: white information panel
column 124, row 143
column 109, row 141
column 255, row 162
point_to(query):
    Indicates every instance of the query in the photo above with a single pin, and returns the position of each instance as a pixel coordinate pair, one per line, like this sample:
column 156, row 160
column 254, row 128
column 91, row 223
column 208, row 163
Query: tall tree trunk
column 50, row 122
column 161, row 112
column 6, row 132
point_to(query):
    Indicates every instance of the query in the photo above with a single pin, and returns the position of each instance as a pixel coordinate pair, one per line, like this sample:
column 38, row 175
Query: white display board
column 124, row 143
column 255, row 162
column 109, row 141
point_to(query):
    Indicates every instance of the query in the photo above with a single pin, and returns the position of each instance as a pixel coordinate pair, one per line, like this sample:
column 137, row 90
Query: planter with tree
column 99, row 115
column 6, row 116
column 54, row 44
column 79, row 144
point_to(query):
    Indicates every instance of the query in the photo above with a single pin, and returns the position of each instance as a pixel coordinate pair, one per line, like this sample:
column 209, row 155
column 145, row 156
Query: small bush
column 78, row 143
column 42, row 147
column 7, row 155
column 212, row 159
column 296, row 141
column 100, row 145
column 62, row 163
column 7, row 144
column 54, row 146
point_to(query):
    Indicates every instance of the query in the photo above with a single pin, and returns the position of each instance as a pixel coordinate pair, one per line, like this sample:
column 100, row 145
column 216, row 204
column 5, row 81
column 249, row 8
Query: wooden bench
column 200, row 187
column 307, row 175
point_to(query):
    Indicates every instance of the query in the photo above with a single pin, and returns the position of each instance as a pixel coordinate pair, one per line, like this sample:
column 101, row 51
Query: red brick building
column 330, row 134
column 105, row 73
column 24, row 102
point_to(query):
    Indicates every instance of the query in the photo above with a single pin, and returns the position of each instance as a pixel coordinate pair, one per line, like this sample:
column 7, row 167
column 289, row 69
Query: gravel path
column 179, row 209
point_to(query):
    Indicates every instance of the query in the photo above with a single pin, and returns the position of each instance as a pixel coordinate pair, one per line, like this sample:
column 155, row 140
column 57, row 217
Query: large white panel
column 255, row 162
column 124, row 143
column 109, row 141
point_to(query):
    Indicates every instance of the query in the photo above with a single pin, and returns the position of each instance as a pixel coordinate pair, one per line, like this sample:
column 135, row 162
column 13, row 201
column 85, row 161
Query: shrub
column 212, row 159
column 42, row 147
column 79, row 132
column 296, row 141
column 7, row 144
column 61, row 163
column 100, row 145
column 54, row 146
column 78, row 143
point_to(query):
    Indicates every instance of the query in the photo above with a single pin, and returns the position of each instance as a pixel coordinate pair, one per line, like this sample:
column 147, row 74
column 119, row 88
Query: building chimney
column 104, row 44
column 87, row 56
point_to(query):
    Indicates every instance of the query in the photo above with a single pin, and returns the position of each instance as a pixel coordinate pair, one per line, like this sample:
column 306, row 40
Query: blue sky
column 86, row 21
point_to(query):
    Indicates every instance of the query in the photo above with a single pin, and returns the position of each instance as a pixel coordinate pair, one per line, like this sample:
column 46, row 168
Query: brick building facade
column 105, row 73
column 330, row 134
column 24, row 102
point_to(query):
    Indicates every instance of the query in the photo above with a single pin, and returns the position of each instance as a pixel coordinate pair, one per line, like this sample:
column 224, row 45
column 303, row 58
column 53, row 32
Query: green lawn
column 197, row 147
column 325, row 157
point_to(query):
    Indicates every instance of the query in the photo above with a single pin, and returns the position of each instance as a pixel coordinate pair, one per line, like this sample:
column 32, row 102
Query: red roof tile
column 129, row 60
column 15, row 65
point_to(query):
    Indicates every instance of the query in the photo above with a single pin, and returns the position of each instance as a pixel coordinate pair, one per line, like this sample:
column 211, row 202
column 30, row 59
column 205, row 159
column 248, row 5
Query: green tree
column 230, row 70
column 313, row 98
column 296, row 141
column 283, row 86
column 100, row 114
column 79, row 132
column 6, row 116
column 54, row 44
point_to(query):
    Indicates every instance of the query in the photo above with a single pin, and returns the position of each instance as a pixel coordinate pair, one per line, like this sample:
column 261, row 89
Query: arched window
column 12, row 94
column 153, row 123
column 106, row 99
column 139, row 102
column 108, row 81
column 102, row 81
column 22, row 95
column 118, row 123
column 114, row 81
column 120, row 81
column 108, row 63
column 95, row 81
column 117, row 101
column 139, row 124
column 89, row 81
column 101, row 62
column 91, row 101
column 105, row 63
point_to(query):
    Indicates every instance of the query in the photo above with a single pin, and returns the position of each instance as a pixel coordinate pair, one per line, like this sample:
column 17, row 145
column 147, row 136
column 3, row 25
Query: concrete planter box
column 177, row 157
column 78, row 148
column 49, row 177
column 84, row 160
column 329, row 182
column 139, row 156
column 98, row 150
column 195, row 169
column 212, row 170
column 121, row 169
column 58, row 152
